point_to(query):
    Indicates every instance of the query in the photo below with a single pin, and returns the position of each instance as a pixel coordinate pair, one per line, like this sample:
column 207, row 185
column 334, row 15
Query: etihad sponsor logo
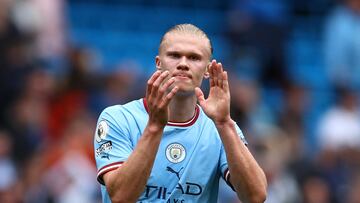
column 188, row 188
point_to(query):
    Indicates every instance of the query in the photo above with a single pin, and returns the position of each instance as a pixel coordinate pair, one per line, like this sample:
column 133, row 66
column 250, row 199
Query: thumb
column 200, row 96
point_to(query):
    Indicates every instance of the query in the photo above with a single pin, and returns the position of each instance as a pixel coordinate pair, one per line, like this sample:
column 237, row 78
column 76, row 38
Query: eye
column 194, row 57
column 174, row 55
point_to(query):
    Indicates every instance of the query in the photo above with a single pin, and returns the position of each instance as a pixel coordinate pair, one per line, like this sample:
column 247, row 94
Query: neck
column 182, row 108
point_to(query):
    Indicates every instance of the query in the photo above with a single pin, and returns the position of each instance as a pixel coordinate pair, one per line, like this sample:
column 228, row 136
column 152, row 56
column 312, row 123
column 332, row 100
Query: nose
column 183, row 65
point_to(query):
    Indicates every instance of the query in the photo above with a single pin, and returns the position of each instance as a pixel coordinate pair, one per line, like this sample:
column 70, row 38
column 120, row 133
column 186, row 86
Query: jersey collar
column 179, row 124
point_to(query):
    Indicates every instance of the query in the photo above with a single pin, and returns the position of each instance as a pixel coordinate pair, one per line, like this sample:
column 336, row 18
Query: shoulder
column 126, row 116
column 121, row 120
column 133, row 107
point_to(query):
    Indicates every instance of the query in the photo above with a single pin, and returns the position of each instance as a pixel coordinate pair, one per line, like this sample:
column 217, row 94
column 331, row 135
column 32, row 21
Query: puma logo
column 177, row 173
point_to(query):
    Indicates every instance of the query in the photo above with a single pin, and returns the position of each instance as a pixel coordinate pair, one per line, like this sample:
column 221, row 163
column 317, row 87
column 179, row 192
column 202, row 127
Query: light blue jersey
column 189, row 162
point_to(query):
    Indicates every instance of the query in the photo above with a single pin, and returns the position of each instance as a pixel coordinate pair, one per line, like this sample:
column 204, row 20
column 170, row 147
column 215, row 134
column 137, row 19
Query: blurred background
column 295, row 83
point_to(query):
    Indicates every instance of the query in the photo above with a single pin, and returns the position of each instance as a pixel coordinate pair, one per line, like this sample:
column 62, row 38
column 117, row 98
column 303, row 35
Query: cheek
column 168, row 64
column 201, row 70
column 198, row 79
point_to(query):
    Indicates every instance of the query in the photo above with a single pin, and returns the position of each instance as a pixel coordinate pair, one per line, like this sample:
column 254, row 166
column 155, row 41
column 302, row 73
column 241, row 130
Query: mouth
column 182, row 75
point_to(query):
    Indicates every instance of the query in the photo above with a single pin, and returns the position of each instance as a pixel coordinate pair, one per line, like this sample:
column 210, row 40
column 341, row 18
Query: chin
column 185, row 93
column 185, row 90
column 185, row 87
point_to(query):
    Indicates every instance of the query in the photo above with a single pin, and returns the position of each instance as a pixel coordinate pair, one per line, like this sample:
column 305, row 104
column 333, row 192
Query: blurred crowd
column 51, row 93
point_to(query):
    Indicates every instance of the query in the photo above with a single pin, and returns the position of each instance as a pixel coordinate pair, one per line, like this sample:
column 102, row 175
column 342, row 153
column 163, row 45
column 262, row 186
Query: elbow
column 259, row 195
column 121, row 198
column 258, row 198
column 255, row 196
column 116, row 199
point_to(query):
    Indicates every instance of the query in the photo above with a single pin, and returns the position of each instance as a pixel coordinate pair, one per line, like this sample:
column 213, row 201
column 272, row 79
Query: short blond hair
column 187, row 29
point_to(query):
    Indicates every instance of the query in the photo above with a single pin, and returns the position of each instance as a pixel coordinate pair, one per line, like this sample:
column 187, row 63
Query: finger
column 221, row 68
column 216, row 74
column 211, row 72
column 169, row 96
column 200, row 96
column 151, row 81
column 158, row 82
column 211, row 79
column 225, row 81
column 220, row 75
column 165, row 87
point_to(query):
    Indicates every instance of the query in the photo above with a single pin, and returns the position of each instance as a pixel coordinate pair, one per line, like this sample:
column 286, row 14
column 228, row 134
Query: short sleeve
column 223, row 161
column 112, row 142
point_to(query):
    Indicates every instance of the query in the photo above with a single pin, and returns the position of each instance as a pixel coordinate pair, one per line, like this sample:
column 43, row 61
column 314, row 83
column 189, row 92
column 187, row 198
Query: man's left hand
column 217, row 105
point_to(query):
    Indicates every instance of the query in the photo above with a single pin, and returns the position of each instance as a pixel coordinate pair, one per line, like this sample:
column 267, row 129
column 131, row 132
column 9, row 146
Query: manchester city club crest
column 101, row 131
column 175, row 153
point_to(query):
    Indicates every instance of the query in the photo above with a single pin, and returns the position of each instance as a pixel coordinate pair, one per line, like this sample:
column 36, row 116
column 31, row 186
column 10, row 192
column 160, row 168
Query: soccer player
column 166, row 147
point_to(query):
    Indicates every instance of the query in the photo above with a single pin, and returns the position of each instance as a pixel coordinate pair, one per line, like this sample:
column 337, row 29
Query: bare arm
column 246, row 175
column 126, row 183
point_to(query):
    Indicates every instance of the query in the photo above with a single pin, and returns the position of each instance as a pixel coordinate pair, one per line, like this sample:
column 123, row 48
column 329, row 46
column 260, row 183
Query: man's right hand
column 158, row 97
column 126, row 183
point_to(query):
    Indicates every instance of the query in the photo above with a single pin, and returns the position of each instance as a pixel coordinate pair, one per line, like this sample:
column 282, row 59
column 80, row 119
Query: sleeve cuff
column 226, row 177
column 105, row 169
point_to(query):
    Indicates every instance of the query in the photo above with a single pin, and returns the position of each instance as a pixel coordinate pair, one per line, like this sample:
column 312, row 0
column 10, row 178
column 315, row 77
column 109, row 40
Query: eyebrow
column 187, row 53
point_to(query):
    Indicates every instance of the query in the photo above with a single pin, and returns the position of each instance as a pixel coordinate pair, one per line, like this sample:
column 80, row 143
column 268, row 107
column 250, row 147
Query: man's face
column 185, row 56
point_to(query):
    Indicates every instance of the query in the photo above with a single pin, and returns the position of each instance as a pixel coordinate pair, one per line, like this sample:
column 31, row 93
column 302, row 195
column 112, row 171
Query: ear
column 207, row 74
column 158, row 63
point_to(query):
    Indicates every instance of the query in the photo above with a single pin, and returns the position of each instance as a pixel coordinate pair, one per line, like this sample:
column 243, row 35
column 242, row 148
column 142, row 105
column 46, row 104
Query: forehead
column 186, row 42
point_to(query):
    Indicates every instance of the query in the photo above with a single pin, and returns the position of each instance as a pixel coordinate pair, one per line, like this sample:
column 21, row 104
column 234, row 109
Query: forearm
column 128, row 182
column 246, row 175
